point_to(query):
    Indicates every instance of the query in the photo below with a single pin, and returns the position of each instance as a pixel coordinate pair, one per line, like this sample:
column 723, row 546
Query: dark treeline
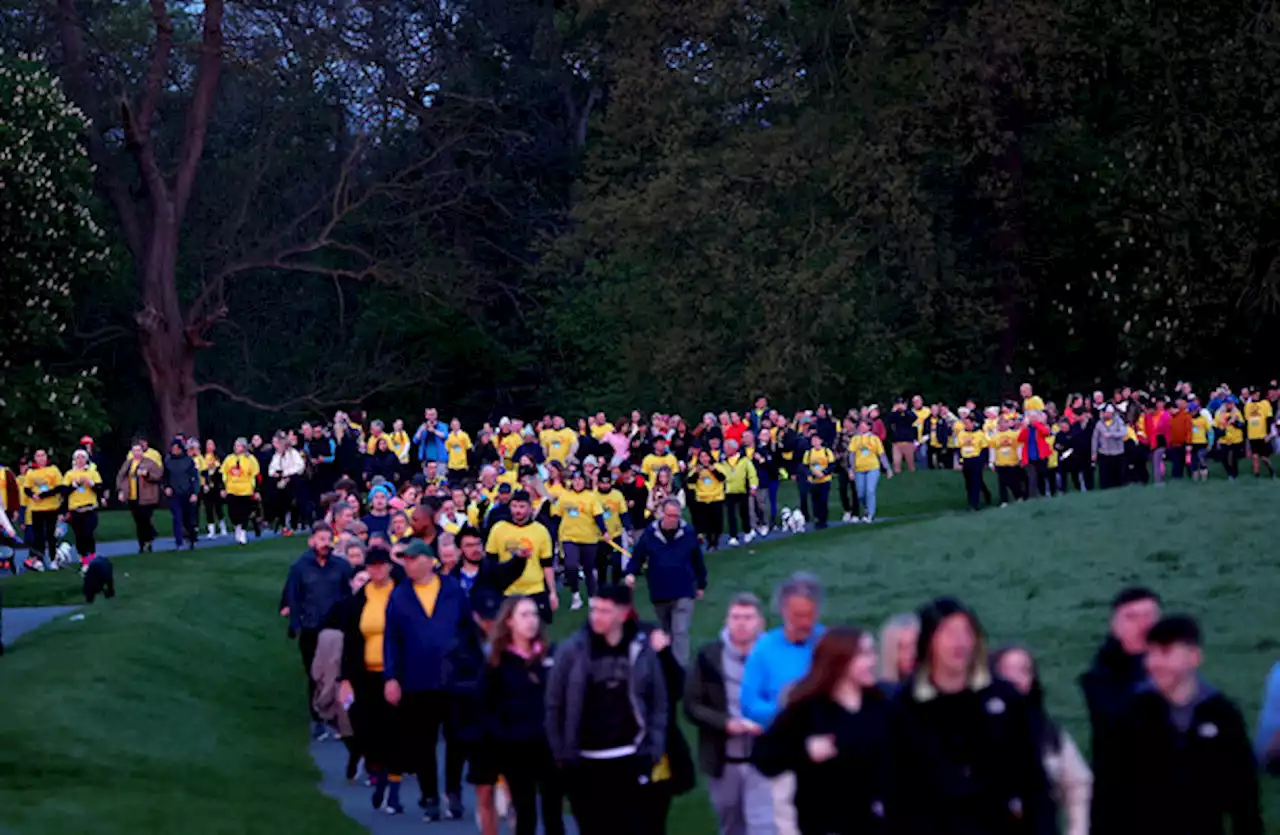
column 512, row 206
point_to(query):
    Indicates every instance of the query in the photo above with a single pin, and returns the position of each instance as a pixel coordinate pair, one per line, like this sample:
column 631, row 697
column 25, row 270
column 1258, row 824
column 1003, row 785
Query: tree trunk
column 166, row 346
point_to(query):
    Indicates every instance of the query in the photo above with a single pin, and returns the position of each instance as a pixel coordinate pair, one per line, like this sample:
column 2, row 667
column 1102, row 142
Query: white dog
column 792, row 520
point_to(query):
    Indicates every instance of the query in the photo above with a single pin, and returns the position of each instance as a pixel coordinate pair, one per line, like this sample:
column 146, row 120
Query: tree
column 50, row 247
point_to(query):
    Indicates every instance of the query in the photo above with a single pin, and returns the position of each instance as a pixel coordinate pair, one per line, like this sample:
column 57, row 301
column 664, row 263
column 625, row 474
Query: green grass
column 179, row 704
column 117, row 525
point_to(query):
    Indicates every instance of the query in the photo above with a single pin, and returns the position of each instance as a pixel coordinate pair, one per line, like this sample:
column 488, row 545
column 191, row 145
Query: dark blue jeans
column 183, row 511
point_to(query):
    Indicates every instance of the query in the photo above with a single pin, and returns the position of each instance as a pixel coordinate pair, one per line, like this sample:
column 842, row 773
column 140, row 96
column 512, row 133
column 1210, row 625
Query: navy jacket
column 676, row 568
column 420, row 651
column 312, row 590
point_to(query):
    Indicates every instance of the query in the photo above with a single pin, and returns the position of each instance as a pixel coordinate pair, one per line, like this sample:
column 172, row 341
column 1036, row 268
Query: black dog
column 99, row 578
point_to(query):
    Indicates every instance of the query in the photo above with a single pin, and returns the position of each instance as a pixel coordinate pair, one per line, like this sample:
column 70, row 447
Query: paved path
column 331, row 757
column 17, row 622
column 165, row 543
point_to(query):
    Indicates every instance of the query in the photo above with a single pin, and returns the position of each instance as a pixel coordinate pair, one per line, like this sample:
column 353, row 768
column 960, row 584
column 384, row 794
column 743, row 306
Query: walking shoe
column 394, row 806
column 430, row 809
column 319, row 732
column 867, row 519
column 763, row 531
column 576, row 604
column 212, row 532
column 733, row 542
column 848, row 517
column 751, row 535
column 455, row 810
column 222, row 528
column 379, row 799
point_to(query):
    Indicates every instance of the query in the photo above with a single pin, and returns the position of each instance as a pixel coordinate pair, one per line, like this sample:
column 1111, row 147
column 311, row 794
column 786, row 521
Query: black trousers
column 239, row 508
column 213, row 506
column 307, row 640
column 374, row 723
column 820, row 496
column 185, row 514
column 530, row 772
column 974, row 487
column 1111, row 471
column 605, row 796
column 1231, row 458
column 1010, row 481
column 708, row 520
column 84, row 523
column 736, row 507
column 422, row 714
column 44, row 533
column 281, row 502
column 142, row 524
column 1177, row 455
column 848, row 492
column 608, row 560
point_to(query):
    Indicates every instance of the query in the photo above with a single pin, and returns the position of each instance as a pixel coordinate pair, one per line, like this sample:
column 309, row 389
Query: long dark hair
column 500, row 633
column 1043, row 729
column 831, row 658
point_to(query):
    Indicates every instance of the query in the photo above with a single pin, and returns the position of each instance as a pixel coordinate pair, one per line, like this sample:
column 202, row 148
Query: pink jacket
column 1157, row 424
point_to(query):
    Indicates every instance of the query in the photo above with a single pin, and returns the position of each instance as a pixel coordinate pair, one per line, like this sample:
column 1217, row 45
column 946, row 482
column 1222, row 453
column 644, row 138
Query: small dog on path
column 99, row 578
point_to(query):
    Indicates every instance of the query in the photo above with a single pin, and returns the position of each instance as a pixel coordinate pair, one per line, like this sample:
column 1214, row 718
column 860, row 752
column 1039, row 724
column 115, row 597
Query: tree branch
column 311, row 400
column 208, row 68
column 159, row 69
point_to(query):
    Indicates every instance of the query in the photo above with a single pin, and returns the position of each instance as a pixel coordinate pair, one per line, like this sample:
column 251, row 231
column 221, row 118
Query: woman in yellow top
column 81, row 484
column 866, row 459
column 705, row 480
column 582, row 526
column 973, row 443
column 240, row 486
column 363, row 620
column 42, row 485
column 399, row 440
column 457, row 445
column 1231, row 426
column 1200, row 429
column 1008, row 462
column 211, row 486
column 818, row 461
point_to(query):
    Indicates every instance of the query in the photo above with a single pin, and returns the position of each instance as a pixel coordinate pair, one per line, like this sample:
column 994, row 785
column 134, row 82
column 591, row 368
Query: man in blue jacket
column 677, row 573
column 430, row 439
column 428, row 624
column 782, row 656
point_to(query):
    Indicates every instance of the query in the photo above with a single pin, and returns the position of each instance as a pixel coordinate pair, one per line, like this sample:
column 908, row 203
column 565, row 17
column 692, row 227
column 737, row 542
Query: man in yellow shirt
column 559, row 443
column 656, row 460
column 1257, row 419
column 921, row 425
column 1008, row 461
column 520, row 537
column 972, row 444
column 457, row 446
column 600, row 426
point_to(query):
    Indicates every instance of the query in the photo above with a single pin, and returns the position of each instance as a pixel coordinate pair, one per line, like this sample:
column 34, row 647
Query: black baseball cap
column 377, row 555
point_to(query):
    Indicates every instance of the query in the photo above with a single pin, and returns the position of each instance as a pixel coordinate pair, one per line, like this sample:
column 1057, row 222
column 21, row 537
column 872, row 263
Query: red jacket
column 1157, row 425
column 1040, row 431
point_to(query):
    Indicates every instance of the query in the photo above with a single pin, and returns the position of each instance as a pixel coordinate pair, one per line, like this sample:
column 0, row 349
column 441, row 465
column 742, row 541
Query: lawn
column 179, row 704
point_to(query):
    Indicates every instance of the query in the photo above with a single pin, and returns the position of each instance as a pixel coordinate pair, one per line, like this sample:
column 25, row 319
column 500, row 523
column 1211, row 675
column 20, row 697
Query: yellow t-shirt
column 558, row 443
column 706, row 487
column 507, row 539
column 240, row 474
column 614, row 506
column 155, row 456
column 1256, row 417
column 428, row 593
column 1032, row 403
column 652, row 463
column 578, row 512
column 508, row 446
column 399, row 442
column 866, row 450
column 458, row 445
column 45, row 483
column 971, row 443
column 371, row 445
column 922, row 422
column 82, row 494
column 1200, row 430
column 1006, row 444
column 210, row 464
column 1231, row 434
column 373, row 623
column 598, row 432
column 819, row 462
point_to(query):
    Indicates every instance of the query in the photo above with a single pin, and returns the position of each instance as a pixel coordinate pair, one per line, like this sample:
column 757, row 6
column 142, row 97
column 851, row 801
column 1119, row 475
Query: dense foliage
column 615, row 203
column 50, row 247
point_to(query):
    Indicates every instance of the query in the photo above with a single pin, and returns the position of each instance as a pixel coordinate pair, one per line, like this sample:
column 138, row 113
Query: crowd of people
column 435, row 562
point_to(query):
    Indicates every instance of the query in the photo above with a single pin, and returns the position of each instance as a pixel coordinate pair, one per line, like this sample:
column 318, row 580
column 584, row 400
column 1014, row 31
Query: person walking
column 240, row 487
column 964, row 759
column 138, row 484
column 212, row 491
column 1186, row 755
column 1109, row 686
column 782, row 655
column 1070, row 780
column 740, row 795
column 286, row 471
column 42, row 485
column 1107, row 448
column 1179, row 436
column 82, row 485
column 740, row 486
column 317, row 581
column 818, row 463
column 1036, row 445
column 833, row 735
column 363, row 621
column 902, row 434
column 1158, row 425
column 523, row 538
column 973, row 446
column 582, row 528
column 898, row 638
column 707, row 507
column 181, row 482
column 866, row 460
column 607, row 715
column 514, row 698
column 427, row 621
column 677, row 574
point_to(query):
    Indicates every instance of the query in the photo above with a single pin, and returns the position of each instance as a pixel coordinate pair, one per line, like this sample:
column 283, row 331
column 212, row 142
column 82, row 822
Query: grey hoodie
column 1109, row 440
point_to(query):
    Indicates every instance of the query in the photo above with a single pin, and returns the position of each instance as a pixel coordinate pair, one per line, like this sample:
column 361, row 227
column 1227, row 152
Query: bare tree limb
column 311, row 400
column 158, row 71
column 208, row 69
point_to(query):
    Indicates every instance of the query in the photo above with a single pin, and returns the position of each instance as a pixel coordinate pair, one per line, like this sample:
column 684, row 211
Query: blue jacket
column 431, row 443
column 418, row 651
column 774, row 665
column 1268, row 719
column 676, row 568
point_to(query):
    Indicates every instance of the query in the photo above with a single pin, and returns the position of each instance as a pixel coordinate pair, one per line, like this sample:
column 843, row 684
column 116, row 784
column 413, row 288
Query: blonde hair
column 889, row 632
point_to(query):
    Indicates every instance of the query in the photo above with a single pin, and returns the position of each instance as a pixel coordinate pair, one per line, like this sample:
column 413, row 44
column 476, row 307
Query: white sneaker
column 733, row 542
column 222, row 529
column 212, row 531
column 848, row 517
column 751, row 535
column 577, row 602
column 763, row 531
column 866, row 519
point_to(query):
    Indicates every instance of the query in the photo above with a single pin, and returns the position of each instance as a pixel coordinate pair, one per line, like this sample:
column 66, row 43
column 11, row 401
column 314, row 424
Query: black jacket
column 1186, row 783
column 311, row 590
column 495, row 575
column 1109, row 686
column 848, row 793
column 181, row 476
column 966, row 764
column 679, row 759
column 901, row 426
column 384, row 464
column 514, row 697
column 706, row 703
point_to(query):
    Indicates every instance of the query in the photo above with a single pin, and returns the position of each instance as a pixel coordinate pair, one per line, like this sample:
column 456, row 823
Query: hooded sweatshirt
column 181, row 475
